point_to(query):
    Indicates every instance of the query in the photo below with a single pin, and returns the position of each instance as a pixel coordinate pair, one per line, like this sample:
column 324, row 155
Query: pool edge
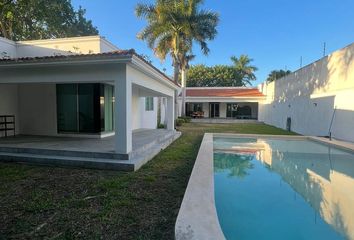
column 197, row 217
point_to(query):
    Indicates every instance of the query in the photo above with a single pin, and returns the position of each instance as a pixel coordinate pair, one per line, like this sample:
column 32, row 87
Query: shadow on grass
column 60, row 203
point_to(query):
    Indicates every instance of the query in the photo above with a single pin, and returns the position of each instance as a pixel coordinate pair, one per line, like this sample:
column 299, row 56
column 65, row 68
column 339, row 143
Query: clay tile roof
column 223, row 92
column 117, row 53
column 129, row 52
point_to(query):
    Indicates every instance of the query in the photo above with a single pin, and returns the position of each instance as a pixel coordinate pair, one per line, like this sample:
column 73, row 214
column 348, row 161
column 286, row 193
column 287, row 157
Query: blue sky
column 275, row 33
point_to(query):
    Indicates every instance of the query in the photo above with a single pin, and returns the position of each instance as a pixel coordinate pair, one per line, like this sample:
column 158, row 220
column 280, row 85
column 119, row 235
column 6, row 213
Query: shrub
column 186, row 119
column 179, row 122
column 161, row 125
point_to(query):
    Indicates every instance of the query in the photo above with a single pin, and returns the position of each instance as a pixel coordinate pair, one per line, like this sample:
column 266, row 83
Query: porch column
column 170, row 113
column 123, row 113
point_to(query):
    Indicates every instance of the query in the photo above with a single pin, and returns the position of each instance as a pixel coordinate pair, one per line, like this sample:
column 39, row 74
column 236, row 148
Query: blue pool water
column 283, row 189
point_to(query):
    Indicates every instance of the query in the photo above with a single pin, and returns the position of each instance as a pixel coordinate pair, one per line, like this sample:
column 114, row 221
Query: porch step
column 63, row 153
column 64, row 161
column 136, row 160
column 158, row 141
column 141, row 158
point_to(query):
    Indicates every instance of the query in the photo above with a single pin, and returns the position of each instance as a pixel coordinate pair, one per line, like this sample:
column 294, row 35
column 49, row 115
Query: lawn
column 62, row 203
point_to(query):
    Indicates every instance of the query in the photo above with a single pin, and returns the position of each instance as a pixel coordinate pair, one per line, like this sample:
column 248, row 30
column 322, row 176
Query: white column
column 123, row 113
column 170, row 113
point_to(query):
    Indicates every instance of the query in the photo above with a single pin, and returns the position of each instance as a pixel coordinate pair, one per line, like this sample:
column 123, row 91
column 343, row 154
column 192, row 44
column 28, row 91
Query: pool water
column 283, row 189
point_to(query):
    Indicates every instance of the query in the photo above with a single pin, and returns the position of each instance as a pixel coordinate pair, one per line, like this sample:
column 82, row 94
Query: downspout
column 330, row 126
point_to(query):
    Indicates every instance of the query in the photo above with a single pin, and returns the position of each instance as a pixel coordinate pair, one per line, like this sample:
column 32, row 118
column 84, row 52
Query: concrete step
column 136, row 160
column 64, row 161
column 142, row 158
column 67, row 153
column 151, row 144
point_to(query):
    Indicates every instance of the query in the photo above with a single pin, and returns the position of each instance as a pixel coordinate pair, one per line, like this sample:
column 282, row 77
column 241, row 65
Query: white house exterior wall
column 7, row 48
column 310, row 95
column 148, row 119
column 34, row 106
column 140, row 117
column 223, row 104
column 9, row 102
column 106, row 46
column 37, row 109
column 59, row 46
column 152, row 88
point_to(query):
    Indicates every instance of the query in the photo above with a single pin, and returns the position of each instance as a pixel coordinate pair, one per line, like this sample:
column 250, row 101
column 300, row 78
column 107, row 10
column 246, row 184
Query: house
column 85, row 90
column 223, row 102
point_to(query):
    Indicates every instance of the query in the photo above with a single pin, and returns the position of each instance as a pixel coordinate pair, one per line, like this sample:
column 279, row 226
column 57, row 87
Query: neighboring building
column 317, row 99
column 83, row 86
column 223, row 102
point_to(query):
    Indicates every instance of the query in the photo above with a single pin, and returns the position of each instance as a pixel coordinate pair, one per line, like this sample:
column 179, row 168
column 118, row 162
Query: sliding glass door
column 214, row 110
column 89, row 115
column 67, row 109
column 107, row 108
column 85, row 108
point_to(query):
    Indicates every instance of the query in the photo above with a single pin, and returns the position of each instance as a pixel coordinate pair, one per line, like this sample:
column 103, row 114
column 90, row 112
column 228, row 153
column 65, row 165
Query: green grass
column 59, row 203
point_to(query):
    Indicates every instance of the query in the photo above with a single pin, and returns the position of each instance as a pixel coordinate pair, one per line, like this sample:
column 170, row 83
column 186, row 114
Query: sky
column 276, row 34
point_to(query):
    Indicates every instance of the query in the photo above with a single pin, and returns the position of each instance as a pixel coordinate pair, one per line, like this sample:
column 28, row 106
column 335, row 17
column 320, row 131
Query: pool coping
column 197, row 217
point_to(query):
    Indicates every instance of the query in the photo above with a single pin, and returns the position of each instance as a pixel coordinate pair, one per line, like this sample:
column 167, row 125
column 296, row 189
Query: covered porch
column 32, row 90
column 223, row 110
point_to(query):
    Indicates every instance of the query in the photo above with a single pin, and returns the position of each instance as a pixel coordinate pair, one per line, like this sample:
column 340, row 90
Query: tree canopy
column 40, row 19
column 240, row 73
column 173, row 26
column 276, row 74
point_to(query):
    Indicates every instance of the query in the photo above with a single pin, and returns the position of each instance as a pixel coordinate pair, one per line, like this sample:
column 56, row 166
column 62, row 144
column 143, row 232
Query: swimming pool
column 246, row 186
column 269, row 188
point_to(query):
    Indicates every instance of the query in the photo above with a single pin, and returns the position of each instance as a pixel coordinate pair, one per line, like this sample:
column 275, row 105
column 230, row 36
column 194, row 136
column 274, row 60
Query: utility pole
column 300, row 61
column 324, row 49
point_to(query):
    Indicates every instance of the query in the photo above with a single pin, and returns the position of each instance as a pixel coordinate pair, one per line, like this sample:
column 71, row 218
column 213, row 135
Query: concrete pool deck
column 197, row 218
column 86, row 152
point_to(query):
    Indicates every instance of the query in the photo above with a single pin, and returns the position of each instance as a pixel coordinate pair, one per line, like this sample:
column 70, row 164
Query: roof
column 57, row 58
column 224, row 92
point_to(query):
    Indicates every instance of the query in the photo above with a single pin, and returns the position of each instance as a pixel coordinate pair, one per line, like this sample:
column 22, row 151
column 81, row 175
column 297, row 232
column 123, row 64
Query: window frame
column 149, row 104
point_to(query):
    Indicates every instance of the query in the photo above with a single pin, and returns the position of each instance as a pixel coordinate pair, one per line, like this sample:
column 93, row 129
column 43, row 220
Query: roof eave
column 66, row 61
column 153, row 71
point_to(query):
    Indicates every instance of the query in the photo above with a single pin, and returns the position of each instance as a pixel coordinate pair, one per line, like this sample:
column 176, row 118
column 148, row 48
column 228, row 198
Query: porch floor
column 140, row 138
column 146, row 144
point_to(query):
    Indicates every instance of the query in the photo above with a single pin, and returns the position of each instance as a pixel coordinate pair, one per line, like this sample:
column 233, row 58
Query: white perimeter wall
column 310, row 95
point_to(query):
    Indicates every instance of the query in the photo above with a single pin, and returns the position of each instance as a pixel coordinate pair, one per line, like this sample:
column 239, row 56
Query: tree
column 276, row 74
column 241, row 73
column 38, row 19
column 244, row 69
column 214, row 76
column 173, row 27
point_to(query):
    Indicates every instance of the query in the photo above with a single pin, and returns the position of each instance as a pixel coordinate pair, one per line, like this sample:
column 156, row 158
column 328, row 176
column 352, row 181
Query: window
column 149, row 103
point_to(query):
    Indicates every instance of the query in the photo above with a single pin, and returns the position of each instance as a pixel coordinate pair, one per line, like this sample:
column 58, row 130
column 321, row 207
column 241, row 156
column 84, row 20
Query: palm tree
column 173, row 27
column 244, row 69
column 276, row 74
